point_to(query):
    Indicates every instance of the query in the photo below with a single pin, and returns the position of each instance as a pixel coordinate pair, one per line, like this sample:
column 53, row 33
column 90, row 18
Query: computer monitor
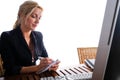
column 107, row 64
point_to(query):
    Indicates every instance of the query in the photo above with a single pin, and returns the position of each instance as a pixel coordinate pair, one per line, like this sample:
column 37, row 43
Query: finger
column 53, row 69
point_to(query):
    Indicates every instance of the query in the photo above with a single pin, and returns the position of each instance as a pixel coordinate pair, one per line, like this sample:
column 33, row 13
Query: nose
column 37, row 20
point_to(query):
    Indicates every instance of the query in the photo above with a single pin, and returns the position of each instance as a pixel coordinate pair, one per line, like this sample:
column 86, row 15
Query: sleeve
column 9, row 59
column 40, row 45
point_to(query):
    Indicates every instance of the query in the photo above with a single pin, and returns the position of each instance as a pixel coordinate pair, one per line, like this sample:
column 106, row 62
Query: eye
column 33, row 16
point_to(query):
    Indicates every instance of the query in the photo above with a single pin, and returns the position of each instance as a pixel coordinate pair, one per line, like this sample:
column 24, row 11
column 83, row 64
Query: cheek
column 30, row 21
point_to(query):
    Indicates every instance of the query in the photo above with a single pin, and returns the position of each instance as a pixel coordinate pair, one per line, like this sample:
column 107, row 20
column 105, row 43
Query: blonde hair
column 26, row 9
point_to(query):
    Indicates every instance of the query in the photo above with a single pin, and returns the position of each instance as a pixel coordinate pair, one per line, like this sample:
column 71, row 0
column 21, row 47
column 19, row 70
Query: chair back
column 86, row 53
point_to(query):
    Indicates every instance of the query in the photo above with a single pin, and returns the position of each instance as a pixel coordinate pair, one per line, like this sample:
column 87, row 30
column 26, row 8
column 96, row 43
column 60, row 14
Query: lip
column 34, row 25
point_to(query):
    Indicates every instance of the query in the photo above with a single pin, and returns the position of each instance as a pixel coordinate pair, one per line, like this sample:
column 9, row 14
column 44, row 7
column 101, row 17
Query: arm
column 40, row 48
column 8, row 55
column 43, row 64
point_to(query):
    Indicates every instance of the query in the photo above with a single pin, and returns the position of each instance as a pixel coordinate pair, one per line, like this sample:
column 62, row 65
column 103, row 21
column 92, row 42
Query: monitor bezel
column 107, row 32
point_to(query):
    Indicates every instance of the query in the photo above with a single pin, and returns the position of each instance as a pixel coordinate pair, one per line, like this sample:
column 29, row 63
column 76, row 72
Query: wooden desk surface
column 30, row 76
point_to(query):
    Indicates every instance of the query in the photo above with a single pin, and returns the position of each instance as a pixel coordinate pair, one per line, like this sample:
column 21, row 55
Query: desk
column 75, row 72
column 30, row 76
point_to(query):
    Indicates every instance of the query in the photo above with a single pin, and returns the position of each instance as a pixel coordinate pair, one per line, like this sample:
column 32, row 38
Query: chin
column 32, row 28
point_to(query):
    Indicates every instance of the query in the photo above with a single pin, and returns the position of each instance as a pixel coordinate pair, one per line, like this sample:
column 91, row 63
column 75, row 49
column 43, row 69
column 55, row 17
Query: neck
column 26, row 33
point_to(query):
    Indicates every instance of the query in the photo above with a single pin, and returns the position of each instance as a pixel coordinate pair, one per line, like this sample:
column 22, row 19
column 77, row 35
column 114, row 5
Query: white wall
column 65, row 24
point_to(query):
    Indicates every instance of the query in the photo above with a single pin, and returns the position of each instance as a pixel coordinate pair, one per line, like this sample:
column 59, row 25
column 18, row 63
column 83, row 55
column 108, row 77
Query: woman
column 22, row 46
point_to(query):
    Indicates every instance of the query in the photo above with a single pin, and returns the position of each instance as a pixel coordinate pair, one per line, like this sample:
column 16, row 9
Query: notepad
column 54, row 62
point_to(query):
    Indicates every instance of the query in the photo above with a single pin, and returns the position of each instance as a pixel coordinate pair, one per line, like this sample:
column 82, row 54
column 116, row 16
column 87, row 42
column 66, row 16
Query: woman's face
column 32, row 20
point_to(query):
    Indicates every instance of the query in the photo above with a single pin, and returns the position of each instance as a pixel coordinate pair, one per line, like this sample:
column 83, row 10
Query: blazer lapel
column 20, row 35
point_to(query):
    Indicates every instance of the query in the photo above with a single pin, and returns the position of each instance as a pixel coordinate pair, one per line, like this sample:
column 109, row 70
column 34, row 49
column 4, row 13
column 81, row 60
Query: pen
column 40, row 58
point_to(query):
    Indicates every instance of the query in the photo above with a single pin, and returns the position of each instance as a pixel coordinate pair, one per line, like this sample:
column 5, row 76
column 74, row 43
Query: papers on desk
column 90, row 63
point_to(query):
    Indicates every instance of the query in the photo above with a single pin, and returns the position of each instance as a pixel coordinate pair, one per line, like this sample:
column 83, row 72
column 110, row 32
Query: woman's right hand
column 44, row 62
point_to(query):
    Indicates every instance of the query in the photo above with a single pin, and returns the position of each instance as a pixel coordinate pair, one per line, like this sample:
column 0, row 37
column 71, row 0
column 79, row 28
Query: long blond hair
column 25, row 9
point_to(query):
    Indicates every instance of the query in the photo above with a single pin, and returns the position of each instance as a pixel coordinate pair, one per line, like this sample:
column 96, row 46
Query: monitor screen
column 107, row 64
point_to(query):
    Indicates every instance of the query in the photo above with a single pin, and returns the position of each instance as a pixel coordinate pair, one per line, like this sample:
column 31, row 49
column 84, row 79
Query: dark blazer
column 15, row 51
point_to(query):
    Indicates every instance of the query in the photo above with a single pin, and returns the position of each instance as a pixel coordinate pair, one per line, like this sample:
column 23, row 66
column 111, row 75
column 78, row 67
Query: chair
column 86, row 53
column 1, row 67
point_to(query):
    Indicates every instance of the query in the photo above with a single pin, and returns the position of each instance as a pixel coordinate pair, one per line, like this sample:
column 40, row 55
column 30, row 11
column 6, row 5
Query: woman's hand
column 44, row 62
column 54, row 67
